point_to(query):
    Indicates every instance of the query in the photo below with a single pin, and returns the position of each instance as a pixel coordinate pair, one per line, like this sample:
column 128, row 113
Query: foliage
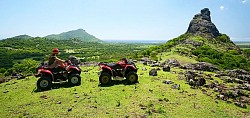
column 223, row 38
column 225, row 60
column 14, row 50
column 27, row 66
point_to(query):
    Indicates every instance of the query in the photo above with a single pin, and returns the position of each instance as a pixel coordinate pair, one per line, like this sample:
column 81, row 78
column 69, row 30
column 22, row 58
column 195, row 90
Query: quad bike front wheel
column 44, row 83
column 132, row 77
column 74, row 79
column 105, row 78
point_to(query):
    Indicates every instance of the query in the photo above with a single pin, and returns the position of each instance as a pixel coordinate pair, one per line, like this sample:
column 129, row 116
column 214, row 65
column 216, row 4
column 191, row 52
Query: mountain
column 201, row 24
column 22, row 37
column 203, row 42
column 79, row 34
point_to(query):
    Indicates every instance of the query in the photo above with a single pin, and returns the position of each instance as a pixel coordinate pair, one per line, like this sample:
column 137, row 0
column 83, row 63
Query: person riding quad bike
column 57, row 70
column 54, row 61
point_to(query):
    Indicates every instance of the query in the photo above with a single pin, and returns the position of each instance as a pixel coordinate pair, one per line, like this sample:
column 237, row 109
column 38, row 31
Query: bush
column 27, row 66
column 223, row 38
column 225, row 60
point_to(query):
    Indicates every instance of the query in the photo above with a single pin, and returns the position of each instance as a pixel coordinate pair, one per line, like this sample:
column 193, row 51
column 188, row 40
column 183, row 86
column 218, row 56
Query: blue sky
column 121, row 19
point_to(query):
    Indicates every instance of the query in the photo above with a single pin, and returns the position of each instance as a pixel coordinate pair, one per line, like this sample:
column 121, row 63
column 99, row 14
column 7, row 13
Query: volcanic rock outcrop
column 202, row 25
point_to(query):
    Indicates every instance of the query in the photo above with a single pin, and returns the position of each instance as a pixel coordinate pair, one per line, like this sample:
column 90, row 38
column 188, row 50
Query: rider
column 55, row 61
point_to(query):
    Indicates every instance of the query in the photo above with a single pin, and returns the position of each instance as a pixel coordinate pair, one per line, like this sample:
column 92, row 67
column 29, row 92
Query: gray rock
column 167, row 82
column 202, row 25
column 171, row 62
column 204, row 66
column 239, row 104
column 153, row 72
column 175, row 86
column 144, row 69
column 166, row 68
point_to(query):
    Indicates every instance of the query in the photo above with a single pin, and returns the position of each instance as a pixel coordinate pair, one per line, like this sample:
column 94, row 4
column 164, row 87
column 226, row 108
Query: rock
column 85, row 71
column 155, row 65
column 202, row 25
column 74, row 60
column 167, row 82
column 204, row 66
column 144, row 63
column 69, row 109
column 239, row 73
column 201, row 81
column 171, row 62
column 190, row 75
column 239, row 104
column 176, row 86
column 146, row 59
column 144, row 69
column 59, row 102
column 153, row 72
column 166, row 68
column 244, row 86
column 44, row 96
column 2, row 80
column 244, row 99
column 192, row 42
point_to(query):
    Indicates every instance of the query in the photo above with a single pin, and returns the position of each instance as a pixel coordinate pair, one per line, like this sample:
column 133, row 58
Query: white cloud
column 244, row 1
column 221, row 7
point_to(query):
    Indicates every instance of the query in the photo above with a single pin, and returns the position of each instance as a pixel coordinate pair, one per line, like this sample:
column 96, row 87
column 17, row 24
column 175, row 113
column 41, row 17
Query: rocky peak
column 202, row 25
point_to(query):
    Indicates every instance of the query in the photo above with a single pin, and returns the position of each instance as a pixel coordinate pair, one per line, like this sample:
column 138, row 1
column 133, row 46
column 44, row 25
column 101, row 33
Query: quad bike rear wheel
column 74, row 79
column 44, row 83
column 132, row 77
column 105, row 78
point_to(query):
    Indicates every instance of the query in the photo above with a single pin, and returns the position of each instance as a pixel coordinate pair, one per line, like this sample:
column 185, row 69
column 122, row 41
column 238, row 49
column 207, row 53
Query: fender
column 130, row 66
column 47, row 72
column 103, row 67
column 44, row 71
column 70, row 68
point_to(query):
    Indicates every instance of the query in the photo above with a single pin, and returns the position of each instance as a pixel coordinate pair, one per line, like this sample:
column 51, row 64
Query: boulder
column 74, row 60
column 144, row 69
column 204, row 66
column 239, row 73
column 175, row 86
column 171, row 62
column 167, row 82
column 144, row 63
column 239, row 104
column 166, row 68
column 153, row 72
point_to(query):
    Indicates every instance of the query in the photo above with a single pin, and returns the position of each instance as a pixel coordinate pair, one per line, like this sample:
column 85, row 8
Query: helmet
column 55, row 51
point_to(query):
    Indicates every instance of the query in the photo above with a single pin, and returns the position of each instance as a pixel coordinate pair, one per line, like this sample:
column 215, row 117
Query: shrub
column 27, row 66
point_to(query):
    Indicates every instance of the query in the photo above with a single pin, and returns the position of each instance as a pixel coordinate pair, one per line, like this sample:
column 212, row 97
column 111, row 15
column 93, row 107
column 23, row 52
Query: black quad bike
column 121, row 69
column 47, row 75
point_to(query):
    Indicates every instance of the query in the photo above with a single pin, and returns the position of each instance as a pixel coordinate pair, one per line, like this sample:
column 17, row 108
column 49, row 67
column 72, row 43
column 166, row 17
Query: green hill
column 79, row 34
column 22, row 37
column 204, row 43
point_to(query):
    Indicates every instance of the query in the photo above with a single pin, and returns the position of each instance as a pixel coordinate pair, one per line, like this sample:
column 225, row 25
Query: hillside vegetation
column 219, row 51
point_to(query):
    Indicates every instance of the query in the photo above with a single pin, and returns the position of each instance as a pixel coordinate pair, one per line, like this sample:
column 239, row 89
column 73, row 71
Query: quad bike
column 48, row 75
column 122, row 69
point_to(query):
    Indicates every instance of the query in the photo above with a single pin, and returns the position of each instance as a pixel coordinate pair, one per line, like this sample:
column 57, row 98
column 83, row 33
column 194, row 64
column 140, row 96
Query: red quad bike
column 121, row 69
column 47, row 75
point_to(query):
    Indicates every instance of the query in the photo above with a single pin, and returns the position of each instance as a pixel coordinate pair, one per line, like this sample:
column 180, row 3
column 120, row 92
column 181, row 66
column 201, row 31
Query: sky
column 121, row 19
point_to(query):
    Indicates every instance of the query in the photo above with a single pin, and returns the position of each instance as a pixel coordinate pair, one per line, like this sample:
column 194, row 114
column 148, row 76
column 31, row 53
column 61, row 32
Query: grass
column 150, row 97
